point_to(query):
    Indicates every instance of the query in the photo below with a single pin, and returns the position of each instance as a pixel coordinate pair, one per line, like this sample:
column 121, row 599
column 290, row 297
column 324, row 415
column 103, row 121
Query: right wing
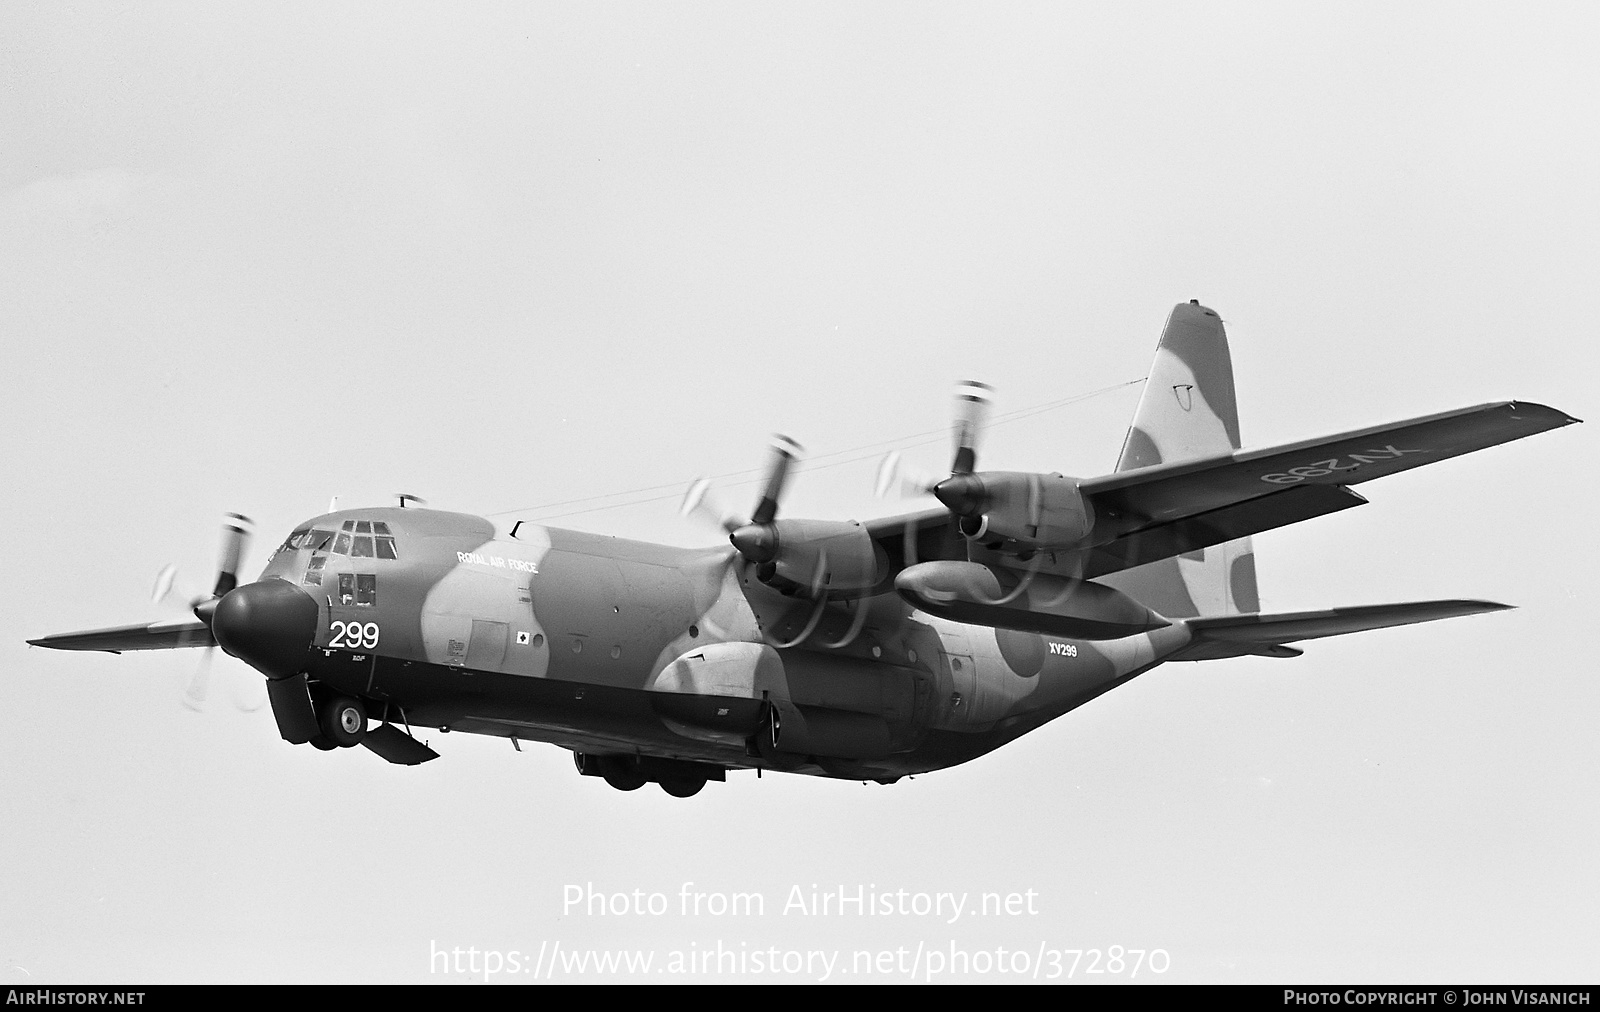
column 1166, row 492
column 155, row 636
column 1156, row 512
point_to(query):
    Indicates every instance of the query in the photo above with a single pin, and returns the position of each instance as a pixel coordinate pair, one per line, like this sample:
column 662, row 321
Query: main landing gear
column 678, row 777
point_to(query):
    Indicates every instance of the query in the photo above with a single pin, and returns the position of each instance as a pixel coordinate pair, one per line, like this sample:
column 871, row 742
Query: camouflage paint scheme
column 956, row 629
column 604, row 645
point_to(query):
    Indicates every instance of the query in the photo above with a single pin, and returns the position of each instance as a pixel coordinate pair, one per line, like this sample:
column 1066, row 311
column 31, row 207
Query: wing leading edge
column 155, row 636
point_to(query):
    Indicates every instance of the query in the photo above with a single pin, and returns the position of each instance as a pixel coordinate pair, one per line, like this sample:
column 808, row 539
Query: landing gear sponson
column 679, row 778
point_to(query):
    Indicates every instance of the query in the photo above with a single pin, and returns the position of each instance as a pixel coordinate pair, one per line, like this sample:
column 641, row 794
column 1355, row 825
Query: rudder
column 1187, row 411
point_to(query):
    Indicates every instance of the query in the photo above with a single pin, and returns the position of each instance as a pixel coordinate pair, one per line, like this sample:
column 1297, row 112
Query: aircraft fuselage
column 610, row 646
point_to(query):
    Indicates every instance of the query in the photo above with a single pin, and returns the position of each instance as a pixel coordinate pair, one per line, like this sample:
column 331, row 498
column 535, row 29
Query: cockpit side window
column 359, row 589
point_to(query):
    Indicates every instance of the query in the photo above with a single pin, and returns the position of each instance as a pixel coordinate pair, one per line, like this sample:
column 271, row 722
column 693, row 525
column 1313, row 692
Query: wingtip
column 1555, row 416
column 1483, row 607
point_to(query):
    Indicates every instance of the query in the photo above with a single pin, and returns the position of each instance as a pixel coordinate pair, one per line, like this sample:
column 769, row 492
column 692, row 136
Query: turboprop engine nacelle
column 1044, row 511
column 982, row 595
column 816, row 556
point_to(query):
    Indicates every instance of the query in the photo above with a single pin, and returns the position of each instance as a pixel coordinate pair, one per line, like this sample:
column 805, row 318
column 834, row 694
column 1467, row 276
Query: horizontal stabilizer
column 1234, row 635
column 154, row 636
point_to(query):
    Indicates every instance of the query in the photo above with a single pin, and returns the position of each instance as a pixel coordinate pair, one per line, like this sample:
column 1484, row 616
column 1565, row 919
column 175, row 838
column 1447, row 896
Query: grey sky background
column 504, row 256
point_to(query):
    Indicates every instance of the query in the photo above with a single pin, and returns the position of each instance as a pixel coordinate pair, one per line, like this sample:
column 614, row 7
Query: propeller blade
column 784, row 453
column 249, row 694
column 818, row 574
column 699, row 501
column 972, row 409
column 235, row 539
column 897, row 477
column 194, row 697
column 163, row 586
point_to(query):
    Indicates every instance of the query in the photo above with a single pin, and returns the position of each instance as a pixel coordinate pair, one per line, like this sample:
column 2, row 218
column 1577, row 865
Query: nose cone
column 270, row 625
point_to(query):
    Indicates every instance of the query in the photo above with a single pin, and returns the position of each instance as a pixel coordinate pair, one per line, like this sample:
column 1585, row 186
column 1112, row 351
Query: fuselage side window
column 313, row 577
column 366, row 589
column 347, row 588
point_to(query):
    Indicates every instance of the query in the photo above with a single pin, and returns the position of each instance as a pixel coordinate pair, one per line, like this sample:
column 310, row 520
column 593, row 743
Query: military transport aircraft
column 861, row 651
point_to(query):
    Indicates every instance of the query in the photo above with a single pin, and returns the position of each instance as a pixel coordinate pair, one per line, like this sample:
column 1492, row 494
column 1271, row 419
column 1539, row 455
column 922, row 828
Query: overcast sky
column 507, row 256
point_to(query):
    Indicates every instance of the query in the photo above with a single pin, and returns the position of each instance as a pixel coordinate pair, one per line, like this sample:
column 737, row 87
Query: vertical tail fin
column 1188, row 410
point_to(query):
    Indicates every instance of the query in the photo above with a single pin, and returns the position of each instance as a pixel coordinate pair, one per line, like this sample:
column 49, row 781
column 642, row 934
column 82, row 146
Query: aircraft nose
column 270, row 625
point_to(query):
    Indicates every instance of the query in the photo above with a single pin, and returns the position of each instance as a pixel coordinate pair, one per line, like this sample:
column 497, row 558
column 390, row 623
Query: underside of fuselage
column 721, row 732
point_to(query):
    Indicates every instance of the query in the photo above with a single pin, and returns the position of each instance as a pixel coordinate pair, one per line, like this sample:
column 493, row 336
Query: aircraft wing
column 1163, row 493
column 1153, row 513
column 155, row 636
column 927, row 535
column 1156, row 512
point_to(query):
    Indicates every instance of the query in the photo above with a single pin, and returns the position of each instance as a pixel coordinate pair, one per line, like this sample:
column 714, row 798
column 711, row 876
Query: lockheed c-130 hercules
column 862, row 651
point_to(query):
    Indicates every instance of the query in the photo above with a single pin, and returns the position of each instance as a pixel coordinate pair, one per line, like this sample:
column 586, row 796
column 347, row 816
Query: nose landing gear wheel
column 343, row 720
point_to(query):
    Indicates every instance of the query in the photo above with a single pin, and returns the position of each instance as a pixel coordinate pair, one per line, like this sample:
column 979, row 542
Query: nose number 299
column 353, row 635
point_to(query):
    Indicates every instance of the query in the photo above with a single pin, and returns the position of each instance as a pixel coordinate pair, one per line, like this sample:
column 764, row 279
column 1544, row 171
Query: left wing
column 155, row 636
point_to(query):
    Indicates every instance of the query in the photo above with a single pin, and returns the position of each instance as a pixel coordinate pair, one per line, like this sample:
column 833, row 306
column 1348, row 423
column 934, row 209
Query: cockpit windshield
column 361, row 539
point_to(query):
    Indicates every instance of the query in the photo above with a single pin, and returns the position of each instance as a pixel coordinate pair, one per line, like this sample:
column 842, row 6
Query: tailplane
column 1188, row 411
column 1268, row 635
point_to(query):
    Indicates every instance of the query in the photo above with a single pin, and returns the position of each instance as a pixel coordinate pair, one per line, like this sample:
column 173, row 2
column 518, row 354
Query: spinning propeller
column 971, row 411
column 1019, row 507
column 815, row 558
column 751, row 537
column 236, row 532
